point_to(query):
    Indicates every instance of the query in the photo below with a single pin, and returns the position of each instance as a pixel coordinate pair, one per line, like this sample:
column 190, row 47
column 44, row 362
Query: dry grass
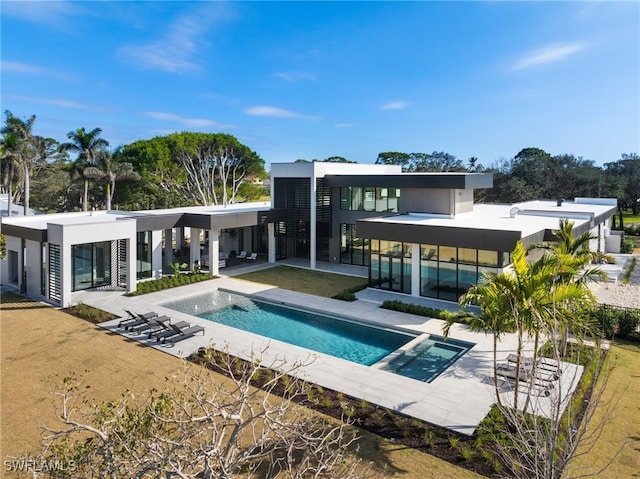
column 302, row 280
column 38, row 342
column 622, row 428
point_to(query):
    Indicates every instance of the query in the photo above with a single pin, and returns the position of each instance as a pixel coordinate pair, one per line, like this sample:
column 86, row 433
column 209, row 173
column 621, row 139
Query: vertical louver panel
column 55, row 280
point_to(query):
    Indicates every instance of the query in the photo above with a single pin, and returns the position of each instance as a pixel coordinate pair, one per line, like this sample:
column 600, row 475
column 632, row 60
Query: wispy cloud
column 176, row 51
column 53, row 14
column 24, row 68
column 293, row 77
column 186, row 122
column 548, row 54
column 273, row 111
column 61, row 102
column 344, row 125
column 395, row 105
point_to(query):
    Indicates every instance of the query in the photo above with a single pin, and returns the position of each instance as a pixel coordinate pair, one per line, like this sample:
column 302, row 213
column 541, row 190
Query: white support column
column 132, row 260
column 271, row 235
column 214, row 252
column 194, row 249
column 313, row 226
column 415, row 269
column 271, row 242
column 156, row 254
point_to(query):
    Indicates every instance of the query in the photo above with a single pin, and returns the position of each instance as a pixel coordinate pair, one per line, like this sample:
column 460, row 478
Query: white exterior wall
column 67, row 235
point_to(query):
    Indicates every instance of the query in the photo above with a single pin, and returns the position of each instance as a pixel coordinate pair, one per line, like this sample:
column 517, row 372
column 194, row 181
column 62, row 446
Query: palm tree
column 87, row 144
column 111, row 168
column 10, row 167
column 18, row 144
column 530, row 300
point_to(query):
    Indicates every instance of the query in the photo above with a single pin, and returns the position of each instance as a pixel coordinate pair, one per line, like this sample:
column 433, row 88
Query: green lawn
column 621, row 432
column 302, row 280
column 628, row 217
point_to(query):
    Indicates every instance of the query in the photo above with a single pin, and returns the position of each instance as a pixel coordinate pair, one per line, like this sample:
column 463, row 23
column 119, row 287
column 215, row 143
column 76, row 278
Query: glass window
column 392, row 200
column 467, row 256
column 369, row 199
column 356, row 199
column 91, row 265
column 381, row 199
column 143, row 251
column 487, row 258
column 345, row 198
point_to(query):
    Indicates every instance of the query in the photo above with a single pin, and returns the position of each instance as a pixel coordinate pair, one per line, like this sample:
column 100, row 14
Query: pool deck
column 458, row 399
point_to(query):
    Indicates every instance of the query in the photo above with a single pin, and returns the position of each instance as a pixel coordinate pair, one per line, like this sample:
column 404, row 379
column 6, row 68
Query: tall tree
column 216, row 165
column 87, row 144
column 22, row 149
column 110, row 168
column 10, row 167
column 628, row 167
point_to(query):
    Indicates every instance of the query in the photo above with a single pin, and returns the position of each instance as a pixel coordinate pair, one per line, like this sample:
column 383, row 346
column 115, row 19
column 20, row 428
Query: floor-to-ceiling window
column 143, row 268
column 390, row 266
column 353, row 250
column 91, row 265
column 447, row 272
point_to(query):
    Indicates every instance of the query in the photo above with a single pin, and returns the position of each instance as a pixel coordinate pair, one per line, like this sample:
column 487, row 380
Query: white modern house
column 414, row 233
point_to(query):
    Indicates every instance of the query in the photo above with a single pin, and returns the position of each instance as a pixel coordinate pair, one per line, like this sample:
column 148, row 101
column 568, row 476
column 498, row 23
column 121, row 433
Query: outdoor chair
column 181, row 333
column 543, row 364
column 242, row 255
column 135, row 319
column 507, row 372
column 252, row 257
column 151, row 324
column 167, row 330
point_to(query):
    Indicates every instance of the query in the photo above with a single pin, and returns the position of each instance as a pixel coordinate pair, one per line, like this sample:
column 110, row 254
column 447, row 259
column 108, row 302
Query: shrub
column 613, row 321
column 90, row 313
column 628, row 244
column 395, row 305
column 167, row 282
column 349, row 293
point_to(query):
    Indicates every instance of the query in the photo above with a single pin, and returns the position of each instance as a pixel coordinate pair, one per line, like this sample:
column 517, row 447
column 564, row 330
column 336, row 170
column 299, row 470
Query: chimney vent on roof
column 560, row 201
column 514, row 211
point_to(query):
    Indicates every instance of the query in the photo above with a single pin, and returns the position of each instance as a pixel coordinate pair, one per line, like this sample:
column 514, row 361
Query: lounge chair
column 135, row 319
column 152, row 324
column 543, row 364
column 167, row 330
column 508, row 372
column 181, row 333
column 252, row 257
column 242, row 255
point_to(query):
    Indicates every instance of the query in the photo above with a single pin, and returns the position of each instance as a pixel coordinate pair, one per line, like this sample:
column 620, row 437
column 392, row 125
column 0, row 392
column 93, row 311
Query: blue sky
column 312, row 80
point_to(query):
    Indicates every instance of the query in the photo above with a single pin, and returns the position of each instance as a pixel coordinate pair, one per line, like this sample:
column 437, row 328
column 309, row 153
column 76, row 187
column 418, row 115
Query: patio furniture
column 507, row 372
column 167, row 330
column 242, row 255
column 252, row 257
column 181, row 333
column 136, row 319
column 544, row 364
column 152, row 324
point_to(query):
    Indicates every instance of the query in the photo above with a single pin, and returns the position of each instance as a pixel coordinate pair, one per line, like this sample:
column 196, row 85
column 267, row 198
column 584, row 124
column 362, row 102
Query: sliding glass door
column 91, row 263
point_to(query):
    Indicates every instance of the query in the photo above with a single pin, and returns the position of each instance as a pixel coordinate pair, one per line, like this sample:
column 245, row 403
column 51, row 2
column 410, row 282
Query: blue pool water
column 341, row 338
column 344, row 339
column 429, row 358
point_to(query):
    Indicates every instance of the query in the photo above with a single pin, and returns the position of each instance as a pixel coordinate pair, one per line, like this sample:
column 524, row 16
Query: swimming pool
column 429, row 358
column 345, row 339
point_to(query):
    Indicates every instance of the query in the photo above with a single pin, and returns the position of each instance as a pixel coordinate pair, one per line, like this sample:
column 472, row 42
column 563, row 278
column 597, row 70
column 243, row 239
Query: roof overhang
column 461, row 181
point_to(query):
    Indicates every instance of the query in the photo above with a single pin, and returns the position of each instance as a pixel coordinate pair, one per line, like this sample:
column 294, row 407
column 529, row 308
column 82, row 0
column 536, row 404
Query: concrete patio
column 457, row 399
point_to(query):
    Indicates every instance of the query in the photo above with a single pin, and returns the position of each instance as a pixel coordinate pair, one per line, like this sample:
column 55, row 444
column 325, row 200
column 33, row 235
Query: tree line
column 190, row 168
